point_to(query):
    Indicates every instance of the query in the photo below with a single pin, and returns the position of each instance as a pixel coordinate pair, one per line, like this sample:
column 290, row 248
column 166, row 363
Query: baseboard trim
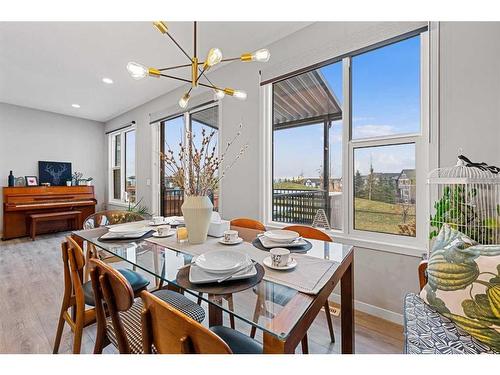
column 379, row 312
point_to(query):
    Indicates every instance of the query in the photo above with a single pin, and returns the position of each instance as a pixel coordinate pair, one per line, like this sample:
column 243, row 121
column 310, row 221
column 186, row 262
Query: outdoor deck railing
column 173, row 200
column 297, row 206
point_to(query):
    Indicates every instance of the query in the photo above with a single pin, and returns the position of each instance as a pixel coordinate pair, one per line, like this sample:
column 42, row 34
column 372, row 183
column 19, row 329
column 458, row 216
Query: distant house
column 406, row 186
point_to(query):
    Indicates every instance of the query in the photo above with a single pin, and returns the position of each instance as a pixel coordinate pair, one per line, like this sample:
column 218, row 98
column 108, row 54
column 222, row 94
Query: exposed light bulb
column 262, row 55
column 239, row 94
column 183, row 102
column 219, row 94
column 214, row 57
column 136, row 70
column 107, row 80
column 75, row 105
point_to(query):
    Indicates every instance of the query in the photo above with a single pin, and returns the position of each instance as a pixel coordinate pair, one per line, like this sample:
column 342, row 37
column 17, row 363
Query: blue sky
column 385, row 100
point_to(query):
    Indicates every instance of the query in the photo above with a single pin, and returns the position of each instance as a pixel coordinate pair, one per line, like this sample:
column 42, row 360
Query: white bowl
column 222, row 261
column 281, row 235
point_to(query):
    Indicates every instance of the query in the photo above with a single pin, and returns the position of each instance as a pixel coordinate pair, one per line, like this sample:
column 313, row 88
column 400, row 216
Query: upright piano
column 20, row 202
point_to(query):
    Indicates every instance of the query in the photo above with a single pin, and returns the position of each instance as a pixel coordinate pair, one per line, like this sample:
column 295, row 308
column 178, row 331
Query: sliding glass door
column 173, row 134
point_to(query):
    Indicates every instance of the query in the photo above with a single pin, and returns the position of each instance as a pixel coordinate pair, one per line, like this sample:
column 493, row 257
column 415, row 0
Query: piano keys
column 20, row 202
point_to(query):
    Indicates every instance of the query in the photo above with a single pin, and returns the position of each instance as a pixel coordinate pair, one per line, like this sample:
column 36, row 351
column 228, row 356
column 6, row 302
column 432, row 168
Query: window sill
column 116, row 203
column 388, row 247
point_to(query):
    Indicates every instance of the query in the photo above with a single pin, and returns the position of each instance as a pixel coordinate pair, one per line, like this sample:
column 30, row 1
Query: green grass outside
column 379, row 216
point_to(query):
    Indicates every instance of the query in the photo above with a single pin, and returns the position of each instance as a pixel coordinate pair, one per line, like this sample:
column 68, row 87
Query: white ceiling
column 51, row 65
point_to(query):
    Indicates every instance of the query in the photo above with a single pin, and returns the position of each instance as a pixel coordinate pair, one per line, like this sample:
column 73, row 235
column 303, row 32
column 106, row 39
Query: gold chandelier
column 198, row 68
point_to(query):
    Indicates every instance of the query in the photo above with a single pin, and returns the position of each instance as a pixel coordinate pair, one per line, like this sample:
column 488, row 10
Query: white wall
column 29, row 135
column 470, row 91
column 469, row 100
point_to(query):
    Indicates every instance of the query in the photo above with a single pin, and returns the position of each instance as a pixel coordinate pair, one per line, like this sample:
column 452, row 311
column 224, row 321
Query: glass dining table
column 282, row 313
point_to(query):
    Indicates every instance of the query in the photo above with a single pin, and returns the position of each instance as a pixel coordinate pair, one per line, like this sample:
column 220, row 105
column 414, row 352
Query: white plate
column 292, row 263
column 281, row 235
column 157, row 235
column 237, row 241
column 221, row 261
column 128, row 228
column 199, row 276
column 152, row 223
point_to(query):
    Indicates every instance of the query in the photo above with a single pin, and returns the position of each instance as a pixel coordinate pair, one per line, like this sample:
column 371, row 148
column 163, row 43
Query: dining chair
column 282, row 295
column 77, row 294
column 114, row 294
column 167, row 331
column 102, row 219
column 244, row 222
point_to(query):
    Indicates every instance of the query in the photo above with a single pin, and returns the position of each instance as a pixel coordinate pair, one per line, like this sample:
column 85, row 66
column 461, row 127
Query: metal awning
column 304, row 98
column 208, row 116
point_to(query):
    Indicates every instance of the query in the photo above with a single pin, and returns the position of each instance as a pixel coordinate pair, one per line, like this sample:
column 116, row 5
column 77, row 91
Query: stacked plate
column 221, row 265
column 124, row 231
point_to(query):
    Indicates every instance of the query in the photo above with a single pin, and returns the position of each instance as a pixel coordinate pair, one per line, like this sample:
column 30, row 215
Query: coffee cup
column 163, row 230
column 157, row 219
column 280, row 256
column 230, row 235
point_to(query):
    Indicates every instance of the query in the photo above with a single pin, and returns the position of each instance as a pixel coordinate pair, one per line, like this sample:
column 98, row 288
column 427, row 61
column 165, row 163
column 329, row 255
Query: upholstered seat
column 237, row 341
column 136, row 280
column 428, row 332
column 131, row 319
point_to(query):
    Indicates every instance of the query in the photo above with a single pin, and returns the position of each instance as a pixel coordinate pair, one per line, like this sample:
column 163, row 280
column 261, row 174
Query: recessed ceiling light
column 109, row 81
column 75, row 105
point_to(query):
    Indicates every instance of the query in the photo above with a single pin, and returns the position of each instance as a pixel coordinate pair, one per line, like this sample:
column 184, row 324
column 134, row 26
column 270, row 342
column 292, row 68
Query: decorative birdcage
column 467, row 198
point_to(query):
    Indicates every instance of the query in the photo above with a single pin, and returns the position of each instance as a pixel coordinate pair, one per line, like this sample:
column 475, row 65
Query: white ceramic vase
column 197, row 211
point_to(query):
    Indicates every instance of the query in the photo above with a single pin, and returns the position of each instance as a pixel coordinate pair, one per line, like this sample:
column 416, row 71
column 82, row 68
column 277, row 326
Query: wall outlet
column 148, row 182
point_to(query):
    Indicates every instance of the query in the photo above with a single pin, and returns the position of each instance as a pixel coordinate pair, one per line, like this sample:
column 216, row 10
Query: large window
column 360, row 166
column 307, row 147
column 122, row 166
column 173, row 134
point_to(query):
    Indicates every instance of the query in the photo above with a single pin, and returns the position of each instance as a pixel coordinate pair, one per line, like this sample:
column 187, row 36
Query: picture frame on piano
column 31, row 180
column 54, row 172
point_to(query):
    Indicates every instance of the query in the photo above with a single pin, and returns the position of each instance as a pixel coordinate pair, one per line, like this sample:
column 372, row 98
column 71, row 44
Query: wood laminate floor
column 31, row 288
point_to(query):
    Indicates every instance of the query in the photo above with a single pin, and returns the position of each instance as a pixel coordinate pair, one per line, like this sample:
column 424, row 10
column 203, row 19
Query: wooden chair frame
column 244, row 222
column 112, row 293
column 73, row 265
column 172, row 332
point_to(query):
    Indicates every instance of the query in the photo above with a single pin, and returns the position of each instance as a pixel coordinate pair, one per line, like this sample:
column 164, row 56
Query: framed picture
column 54, row 172
column 31, row 180
column 19, row 181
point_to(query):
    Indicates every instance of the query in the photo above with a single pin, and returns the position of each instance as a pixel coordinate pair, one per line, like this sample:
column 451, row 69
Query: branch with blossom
column 196, row 168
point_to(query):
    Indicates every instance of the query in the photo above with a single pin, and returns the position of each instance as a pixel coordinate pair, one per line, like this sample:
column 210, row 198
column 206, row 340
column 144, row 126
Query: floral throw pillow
column 464, row 284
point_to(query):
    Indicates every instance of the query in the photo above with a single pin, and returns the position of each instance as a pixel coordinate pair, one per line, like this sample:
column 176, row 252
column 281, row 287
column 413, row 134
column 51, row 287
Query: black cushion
column 237, row 341
column 136, row 280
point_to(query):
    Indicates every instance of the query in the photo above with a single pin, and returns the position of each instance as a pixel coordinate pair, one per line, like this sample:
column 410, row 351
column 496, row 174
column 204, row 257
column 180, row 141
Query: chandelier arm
column 210, row 86
column 175, row 67
column 177, row 78
column 230, row 59
column 179, row 46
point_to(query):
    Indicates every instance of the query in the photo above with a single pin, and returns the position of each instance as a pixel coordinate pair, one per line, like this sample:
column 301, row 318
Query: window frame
column 122, row 167
column 158, row 128
column 424, row 152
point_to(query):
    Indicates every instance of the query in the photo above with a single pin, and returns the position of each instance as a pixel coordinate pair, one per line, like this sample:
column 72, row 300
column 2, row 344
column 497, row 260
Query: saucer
column 171, row 233
column 235, row 242
column 292, row 263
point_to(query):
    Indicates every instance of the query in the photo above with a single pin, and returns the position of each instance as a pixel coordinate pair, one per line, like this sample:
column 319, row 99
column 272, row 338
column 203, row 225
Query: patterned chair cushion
column 464, row 284
column 131, row 319
column 428, row 332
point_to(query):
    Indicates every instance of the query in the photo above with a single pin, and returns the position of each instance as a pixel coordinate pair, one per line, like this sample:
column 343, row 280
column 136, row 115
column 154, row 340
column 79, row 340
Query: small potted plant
column 89, row 181
column 77, row 176
column 69, row 182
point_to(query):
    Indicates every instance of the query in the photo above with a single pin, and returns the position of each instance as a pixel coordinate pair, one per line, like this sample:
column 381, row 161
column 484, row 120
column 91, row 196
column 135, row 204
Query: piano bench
column 53, row 216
